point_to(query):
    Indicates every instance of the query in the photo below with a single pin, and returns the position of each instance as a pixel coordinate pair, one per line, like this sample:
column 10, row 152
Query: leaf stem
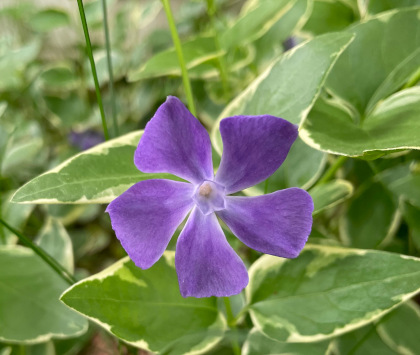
column 223, row 71
column 60, row 270
column 180, row 54
column 329, row 174
column 110, row 71
column 232, row 324
column 93, row 67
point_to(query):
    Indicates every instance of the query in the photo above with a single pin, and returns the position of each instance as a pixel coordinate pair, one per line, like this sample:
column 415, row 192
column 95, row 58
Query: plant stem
column 110, row 72
column 93, row 67
column 329, row 174
column 232, row 324
column 211, row 10
column 61, row 271
column 180, row 54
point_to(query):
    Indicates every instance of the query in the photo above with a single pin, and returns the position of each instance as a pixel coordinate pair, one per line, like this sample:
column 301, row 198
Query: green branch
column 329, row 174
column 110, row 72
column 60, row 270
column 180, row 54
column 93, row 67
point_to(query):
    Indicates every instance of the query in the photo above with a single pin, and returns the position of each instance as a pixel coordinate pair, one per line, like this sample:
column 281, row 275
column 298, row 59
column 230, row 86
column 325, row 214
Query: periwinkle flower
column 86, row 139
column 146, row 216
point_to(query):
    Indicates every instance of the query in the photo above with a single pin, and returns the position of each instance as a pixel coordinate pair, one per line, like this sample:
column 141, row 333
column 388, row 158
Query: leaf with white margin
column 14, row 214
column 97, row 175
column 390, row 38
column 29, row 300
column 399, row 329
column 256, row 19
column 395, row 333
column 376, row 6
column 392, row 125
column 55, row 240
column 327, row 291
column 284, row 90
column 329, row 16
column 145, row 308
column 362, row 341
column 257, row 343
column 196, row 51
column 330, row 194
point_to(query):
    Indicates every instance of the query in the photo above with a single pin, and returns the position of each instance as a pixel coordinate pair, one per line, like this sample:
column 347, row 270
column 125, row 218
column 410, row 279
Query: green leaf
column 404, row 181
column 60, row 77
column 46, row 348
column 14, row 62
column 399, row 329
column 412, row 217
column 369, row 220
column 257, row 343
column 97, row 175
column 327, row 291
column 56, row 242
column 14, row 214
column 392, row 125
column 363, row 341
column 330, row 194
column 400, row 75
column 67, row 110
column 29, row 300
column 329, row 16
column 270, row 45
column 145, row 308
column 196, row 51
column 376, row 6
column 395, row 333
column 21, row 153
column 255, row 21
column 283, row 90
column 48, row 20
column 389, row 39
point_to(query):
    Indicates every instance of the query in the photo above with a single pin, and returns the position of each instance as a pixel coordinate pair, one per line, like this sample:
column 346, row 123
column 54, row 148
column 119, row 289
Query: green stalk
column 110, row 71
column 329, row 174
column 93, row 67
column 223, row 71
column 180, row 54
column 232, row 324
column 60, row 270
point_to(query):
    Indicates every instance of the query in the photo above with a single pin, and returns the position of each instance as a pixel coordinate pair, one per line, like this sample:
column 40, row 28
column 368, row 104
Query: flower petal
column 253, row 149
column 175, row 142
column 278, row 223
column 205, row 262
column 146, row 216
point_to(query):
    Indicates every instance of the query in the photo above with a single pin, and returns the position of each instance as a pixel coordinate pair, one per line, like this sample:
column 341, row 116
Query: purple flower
column 86, row 139
column 146, row 216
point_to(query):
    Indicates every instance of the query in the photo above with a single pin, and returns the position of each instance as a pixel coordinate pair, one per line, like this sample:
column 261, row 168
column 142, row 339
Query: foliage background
column 353, row 89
